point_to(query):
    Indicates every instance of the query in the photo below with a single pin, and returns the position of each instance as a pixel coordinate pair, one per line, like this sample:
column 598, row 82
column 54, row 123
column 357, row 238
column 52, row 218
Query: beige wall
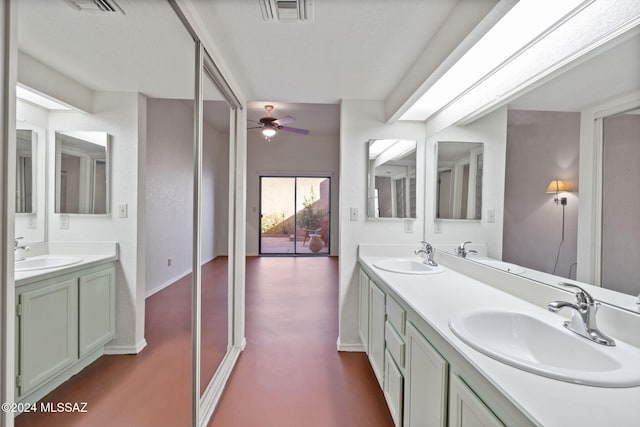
column 621, row 203
column 293, row 155
column 541, row 145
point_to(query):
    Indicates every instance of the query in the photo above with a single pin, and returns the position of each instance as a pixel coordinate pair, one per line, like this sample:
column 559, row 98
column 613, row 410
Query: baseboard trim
column 126, row 349
column 213, row 392
column 353, row 347
column 174, row 279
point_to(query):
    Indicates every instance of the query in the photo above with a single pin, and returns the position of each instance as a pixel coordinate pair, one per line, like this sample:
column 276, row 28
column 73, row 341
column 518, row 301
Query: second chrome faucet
column 583, row 318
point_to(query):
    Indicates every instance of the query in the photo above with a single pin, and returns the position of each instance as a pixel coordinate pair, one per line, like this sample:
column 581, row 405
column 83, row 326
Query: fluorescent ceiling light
column 39, row 100
column 523, row 25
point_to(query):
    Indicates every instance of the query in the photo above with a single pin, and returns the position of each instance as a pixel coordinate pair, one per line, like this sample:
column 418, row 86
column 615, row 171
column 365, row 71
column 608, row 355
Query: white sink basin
column 547, row 349
column 45, row 261
column 407, row 266
column 500, row 265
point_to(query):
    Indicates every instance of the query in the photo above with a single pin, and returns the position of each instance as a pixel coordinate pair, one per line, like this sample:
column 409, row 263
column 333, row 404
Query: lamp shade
column 558, row 186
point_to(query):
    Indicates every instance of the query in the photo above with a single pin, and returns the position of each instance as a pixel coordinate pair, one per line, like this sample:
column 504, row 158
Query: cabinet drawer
column 396, row 315
column 395, row 344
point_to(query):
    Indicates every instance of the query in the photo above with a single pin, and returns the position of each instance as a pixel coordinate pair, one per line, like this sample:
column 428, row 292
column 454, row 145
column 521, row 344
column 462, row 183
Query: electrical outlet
column 354, row 214
column 408, row 226
column 491, row 215
column 64, row 222
column 124, row 211
column 169, row 262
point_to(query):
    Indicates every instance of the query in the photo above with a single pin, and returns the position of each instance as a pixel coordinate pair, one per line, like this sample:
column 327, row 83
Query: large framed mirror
column 459, row 180
column 391, row 189
column 580, row 127
column 82, row 172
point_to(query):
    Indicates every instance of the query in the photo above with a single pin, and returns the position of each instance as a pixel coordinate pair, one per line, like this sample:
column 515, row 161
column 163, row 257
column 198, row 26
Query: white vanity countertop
column 439, row 297
column 91, row 254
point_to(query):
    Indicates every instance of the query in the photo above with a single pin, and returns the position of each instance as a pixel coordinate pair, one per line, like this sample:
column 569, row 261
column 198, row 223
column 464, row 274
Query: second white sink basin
column 547, row 349
column 407, row 266
column 45, row 261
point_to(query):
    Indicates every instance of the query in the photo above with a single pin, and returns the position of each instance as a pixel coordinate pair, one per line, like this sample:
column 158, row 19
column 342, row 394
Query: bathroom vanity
column 431, row 377
column 64, row 317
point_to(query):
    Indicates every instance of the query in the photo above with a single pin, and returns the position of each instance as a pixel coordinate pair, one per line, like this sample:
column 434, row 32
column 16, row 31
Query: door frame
column 295, row 176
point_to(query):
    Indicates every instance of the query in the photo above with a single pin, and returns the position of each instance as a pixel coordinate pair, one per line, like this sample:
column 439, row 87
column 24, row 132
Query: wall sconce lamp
column 558, row 186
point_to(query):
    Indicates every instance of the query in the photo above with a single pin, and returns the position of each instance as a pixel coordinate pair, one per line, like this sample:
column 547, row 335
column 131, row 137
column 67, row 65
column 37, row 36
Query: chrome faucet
column 17, row 247
column 428, row 250
column 583, row 317
column 463, row 252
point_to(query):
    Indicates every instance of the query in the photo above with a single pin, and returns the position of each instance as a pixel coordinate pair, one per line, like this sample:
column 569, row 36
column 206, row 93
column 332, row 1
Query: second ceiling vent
column 287, row 10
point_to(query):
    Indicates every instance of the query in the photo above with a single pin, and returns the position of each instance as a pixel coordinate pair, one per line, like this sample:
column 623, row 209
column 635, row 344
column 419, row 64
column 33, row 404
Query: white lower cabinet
column 466, row 409
column 419, row 379
column 425, row 400
column 48, row 332
column 393, row 388
column 62, row 324
column 96, row 300
column 376, row 331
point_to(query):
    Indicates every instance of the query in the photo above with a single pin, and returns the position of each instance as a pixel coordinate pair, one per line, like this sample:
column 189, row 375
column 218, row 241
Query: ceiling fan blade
column 295, row 130
column 256, row 127
column 284, row 120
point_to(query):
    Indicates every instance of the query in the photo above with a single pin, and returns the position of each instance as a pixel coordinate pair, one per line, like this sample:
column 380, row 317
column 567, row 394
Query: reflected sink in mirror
column 547, row 349
column 500, row 265
column 407, row 266
column 44, row 262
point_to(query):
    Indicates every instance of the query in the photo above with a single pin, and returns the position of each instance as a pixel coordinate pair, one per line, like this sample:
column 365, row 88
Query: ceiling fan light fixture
column 268, row 131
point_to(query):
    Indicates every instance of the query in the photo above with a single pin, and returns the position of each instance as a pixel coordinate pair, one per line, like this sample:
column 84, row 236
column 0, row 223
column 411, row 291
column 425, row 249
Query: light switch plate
column 437, row 227
column 354, row 214
column 31, row 221
column 124, row 211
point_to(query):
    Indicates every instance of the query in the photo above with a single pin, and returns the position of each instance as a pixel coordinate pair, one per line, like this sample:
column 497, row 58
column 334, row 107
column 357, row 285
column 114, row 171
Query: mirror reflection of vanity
column 391, row 177
column 566, row 128
column 459, row 180
column 82, row 172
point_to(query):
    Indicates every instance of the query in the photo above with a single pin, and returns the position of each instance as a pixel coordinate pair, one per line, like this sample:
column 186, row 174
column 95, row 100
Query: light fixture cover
column 558, row 186
column 268, row 131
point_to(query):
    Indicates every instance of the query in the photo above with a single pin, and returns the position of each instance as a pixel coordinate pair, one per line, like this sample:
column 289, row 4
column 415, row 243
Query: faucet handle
column 583, row 296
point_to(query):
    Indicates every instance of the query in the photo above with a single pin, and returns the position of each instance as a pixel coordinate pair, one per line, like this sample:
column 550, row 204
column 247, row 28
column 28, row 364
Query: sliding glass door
column 295, row 215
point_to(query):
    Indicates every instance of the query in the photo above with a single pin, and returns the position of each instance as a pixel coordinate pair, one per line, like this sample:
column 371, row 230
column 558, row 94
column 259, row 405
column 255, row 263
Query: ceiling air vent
column 287, row 10
column 95, row 6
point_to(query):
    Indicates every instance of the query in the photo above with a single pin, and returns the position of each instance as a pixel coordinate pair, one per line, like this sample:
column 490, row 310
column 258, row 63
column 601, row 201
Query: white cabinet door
column 393, row 382
column 376, row 330
column 47, row 332
column 425, row 400
column 363, row 319
column 466, row 409
column 97, row 310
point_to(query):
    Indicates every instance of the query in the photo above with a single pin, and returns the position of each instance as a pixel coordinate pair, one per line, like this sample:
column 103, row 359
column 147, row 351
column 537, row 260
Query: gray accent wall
column 541, row 145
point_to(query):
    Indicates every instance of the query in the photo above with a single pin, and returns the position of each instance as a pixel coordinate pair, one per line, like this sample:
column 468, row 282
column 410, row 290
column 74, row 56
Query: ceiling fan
column 270, row 125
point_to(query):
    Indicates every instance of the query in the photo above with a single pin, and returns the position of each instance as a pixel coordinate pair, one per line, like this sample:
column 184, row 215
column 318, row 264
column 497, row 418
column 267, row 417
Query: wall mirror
column 459, row 180
column 574, row 127
column 82, row 172
column 391, row 174
column 31, row 158
column 25, row 171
